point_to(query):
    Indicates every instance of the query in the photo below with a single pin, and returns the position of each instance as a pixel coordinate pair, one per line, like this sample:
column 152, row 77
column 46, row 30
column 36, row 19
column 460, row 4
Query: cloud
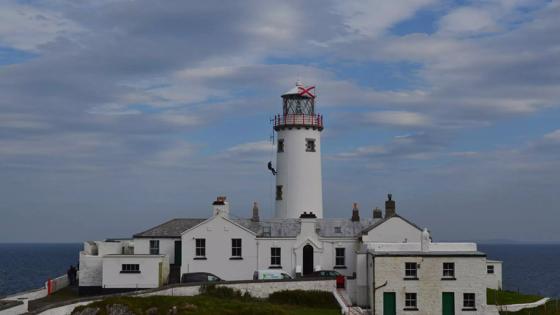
column 27, row 28
column 468, row 20
column 398, row 118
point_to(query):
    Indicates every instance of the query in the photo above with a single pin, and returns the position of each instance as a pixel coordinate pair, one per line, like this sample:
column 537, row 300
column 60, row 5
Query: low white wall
column 58, row 284
column 30, row 295
column 66, row 309
column 17, row 309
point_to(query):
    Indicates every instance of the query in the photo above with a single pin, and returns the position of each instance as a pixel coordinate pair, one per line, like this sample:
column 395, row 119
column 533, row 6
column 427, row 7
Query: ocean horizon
column 527, row 268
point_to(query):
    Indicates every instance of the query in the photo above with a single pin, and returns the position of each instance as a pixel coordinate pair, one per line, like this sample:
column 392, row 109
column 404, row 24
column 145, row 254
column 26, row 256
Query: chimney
column 255, row 217
column 355, row 213
column 377, row 213
column 390, row 210
column 221, row 206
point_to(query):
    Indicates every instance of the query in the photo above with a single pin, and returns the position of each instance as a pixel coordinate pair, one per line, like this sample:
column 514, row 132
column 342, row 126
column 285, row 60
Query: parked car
column 199, row 277
column 324, row 274
column 271, row 274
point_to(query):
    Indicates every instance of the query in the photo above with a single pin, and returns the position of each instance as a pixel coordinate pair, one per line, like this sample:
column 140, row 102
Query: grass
column 205, row 305
column 500, row 297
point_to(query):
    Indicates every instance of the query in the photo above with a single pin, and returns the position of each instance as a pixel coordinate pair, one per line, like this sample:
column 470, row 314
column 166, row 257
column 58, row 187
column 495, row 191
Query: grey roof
column 292, row 227
column 379, row 221
column 279, row 228
column 169, row 229
column 432, row 254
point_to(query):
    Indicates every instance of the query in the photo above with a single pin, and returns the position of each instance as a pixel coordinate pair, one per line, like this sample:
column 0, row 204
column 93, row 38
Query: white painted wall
column 494, row 281
column 299, row 172
column 147, row 278
column 109, row 248
column 469, row 271
column 166, row 247
column 393, row 230
column 91, row 270
column 218, row 232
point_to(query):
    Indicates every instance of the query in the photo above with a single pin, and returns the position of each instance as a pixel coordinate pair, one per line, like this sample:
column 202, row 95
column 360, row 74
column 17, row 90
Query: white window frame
column 154, row 247
column 411, row 273
column 341, row 257
column 449, row 270
column 200, row 247
column 130, row 268
column 276, row 257
column 469, row 303
column 236, row 249
column 410, row 301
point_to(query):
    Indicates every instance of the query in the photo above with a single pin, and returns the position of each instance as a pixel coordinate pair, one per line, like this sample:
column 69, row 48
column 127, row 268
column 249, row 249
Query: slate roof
column 169, row 229
column 273, row 228
column 379, row 221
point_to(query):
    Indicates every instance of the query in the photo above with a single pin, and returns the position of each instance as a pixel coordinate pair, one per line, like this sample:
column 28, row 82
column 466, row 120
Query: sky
column 117, row 115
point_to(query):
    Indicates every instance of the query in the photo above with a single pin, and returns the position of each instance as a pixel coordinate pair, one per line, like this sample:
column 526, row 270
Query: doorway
column 307, row 259
column 448, row 303
column 178, row 253
column 389, row 303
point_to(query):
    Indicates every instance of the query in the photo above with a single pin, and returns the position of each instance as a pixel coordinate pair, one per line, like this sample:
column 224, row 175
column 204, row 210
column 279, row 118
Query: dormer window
column 337, row 229
column 266, row 231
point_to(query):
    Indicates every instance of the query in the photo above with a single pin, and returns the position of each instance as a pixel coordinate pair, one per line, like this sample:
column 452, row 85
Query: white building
column 390, row 262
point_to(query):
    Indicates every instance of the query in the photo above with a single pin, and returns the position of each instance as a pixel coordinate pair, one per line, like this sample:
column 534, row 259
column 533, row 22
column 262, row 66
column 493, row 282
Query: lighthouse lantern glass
column 298, row 105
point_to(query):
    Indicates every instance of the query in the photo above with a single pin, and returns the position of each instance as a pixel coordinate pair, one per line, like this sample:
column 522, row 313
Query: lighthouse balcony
column 298, row 121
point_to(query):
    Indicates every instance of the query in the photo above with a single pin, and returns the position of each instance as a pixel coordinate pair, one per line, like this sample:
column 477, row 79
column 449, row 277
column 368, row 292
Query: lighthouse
column 298, row 157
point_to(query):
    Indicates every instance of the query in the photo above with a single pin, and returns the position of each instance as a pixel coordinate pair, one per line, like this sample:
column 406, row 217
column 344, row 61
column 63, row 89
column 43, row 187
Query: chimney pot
column 390, row 209
column 355, row 213
column 255, row 217
column 377, row 213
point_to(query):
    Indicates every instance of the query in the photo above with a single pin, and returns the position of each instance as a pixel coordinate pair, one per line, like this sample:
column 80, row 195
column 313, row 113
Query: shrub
column 223, row 292
column 320, row 299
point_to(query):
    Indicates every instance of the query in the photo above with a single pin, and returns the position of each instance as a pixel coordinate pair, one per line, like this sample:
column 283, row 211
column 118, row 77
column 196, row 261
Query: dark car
column 199, row 277
column 324, row 274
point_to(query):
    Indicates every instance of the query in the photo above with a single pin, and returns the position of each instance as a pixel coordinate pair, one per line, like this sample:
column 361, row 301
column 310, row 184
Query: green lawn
column 206, row 305
column 500, row 297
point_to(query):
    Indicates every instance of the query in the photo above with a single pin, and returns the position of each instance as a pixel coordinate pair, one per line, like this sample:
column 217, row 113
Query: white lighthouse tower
column 298, row 158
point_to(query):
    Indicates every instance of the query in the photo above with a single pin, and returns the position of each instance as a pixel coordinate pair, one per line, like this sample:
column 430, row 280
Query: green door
column 448, row 303
column 389, row 303
column 178, row 253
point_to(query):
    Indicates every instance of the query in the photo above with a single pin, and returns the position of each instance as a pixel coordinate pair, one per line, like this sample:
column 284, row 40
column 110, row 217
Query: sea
column 531, row 269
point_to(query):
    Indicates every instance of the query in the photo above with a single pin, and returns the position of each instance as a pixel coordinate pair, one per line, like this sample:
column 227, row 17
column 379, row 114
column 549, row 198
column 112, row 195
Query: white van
column 271, row 274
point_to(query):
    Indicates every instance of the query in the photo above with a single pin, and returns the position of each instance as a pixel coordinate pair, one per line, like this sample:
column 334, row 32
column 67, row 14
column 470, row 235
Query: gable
column 393, row 230
column 217, row 225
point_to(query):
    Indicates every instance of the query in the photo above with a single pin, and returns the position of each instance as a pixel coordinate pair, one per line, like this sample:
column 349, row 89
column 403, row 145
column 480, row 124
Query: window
column 130, row 268
column 410, row 301
column 310, row 145
column 280, row 146
column 410, row 270
column 154, row 247
column 279, row 192
column 449, row 270
column 468, row 301
column 275, row 256
column 337, row 229
column 490, row 269
column 266, row 231
column 200, row 247
column 235, row 247
column 340, row 259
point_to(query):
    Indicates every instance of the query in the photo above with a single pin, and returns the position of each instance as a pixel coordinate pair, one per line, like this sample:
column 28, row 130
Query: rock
column 151, row 311
column 118, row 309
column 87, row 311
column 172, row 311
column 188, row 307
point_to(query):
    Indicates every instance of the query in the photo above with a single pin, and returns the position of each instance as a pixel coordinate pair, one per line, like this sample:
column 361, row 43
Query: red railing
column 314, row 121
